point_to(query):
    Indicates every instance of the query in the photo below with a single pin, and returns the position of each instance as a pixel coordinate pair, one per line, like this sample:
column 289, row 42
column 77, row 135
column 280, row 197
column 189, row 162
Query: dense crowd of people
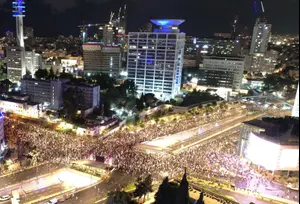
column 214, row 160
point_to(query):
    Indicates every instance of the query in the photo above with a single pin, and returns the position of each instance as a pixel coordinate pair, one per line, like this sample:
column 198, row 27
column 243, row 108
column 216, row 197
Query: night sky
column 203, row 17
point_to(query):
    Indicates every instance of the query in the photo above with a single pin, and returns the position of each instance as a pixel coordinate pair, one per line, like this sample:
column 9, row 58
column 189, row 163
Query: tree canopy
column 41, row 74
column 119, row 197
column 73, row 100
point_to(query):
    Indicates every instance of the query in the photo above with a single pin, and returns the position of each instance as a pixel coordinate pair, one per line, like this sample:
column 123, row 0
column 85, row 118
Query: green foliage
column 278, row 82
column 66, row 76
column 103, row 80
column 73, row 99
column 119, row 197
column 197, row 97
column 41, row 74
column 143, row 186
column 52, row 74
column 122, row 97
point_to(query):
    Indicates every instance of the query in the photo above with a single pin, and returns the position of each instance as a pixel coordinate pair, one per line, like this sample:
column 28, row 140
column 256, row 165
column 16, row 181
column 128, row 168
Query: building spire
column 183, row 191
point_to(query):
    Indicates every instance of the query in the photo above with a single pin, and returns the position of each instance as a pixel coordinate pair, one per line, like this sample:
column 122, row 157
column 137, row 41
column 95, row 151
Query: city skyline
column 209, row 17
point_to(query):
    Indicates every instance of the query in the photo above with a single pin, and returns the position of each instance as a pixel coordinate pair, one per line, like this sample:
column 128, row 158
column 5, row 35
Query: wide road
column 97, row 194
column 223, row 127
column 25, row 175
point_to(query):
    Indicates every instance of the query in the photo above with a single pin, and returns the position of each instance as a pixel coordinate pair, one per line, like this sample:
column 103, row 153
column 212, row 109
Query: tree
column 103, row 80
column 143, row 187
column 41, row 74
column 5, row 85
column 51, row 74
column 128, row 88
column 119, row 197
column 73, row 100
column 66, row 76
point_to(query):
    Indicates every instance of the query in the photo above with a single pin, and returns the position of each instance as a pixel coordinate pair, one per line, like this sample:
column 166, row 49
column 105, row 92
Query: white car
column 5, row 197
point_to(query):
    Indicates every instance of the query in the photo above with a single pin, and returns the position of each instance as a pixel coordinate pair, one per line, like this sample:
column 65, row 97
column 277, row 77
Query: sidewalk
column 22, row 170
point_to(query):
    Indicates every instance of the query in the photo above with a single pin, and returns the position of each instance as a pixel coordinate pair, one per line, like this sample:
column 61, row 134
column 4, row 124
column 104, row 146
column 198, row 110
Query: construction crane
column 234, row 27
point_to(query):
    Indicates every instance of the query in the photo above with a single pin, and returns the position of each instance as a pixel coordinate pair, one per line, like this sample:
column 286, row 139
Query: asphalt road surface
column 25, row 175
column 117, row 181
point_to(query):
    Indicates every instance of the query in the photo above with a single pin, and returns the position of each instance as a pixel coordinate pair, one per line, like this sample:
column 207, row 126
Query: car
column 5, row 197
column 53, row 201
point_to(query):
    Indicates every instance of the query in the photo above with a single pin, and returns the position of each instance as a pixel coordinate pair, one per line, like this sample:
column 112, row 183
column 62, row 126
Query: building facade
column 280, row 136
column 50, row 92
column 261, row 59
column 3, row 144
column 33, row 61
column 155, row 59
column 296, row 105
column 91, row 94
column 19, row 107
column 101, row 59
column 15, row 69
column 47, row 92
column 223, row 72
column 260, row 38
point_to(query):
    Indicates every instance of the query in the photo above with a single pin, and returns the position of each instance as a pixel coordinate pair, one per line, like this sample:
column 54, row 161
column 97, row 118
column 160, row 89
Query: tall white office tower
column 296, row 105
column 15, row 73
column 155, row 59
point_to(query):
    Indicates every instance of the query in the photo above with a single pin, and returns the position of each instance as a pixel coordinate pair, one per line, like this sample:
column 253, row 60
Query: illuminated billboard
column 270, row 155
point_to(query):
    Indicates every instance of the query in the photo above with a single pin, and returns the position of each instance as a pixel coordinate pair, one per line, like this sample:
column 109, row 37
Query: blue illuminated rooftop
column 167, row 22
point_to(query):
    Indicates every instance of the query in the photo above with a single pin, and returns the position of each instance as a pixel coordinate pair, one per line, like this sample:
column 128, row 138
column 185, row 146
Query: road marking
column 103, row 199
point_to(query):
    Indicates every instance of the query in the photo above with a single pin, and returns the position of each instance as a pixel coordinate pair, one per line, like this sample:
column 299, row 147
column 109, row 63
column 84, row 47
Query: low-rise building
column 91, row 94
column 19, row 107
column 223, row 72
column 47, row 92
column 50, row 92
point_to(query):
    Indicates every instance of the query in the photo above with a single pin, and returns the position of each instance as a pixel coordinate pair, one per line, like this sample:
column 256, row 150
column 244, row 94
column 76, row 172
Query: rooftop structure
column 279, row 136
column 167, row 22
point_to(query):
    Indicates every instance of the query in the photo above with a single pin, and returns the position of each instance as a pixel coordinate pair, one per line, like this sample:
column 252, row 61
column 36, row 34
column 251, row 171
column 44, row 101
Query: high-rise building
column 263, row 63
column 102, row 59
column 29, row 36
column 18, row 13
column 296, row 105
column 9, row 37
column 260, row 38
column 33, row 61
column 155, row 59
column 223, row 72
column 14, row 63
column 259, row 47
